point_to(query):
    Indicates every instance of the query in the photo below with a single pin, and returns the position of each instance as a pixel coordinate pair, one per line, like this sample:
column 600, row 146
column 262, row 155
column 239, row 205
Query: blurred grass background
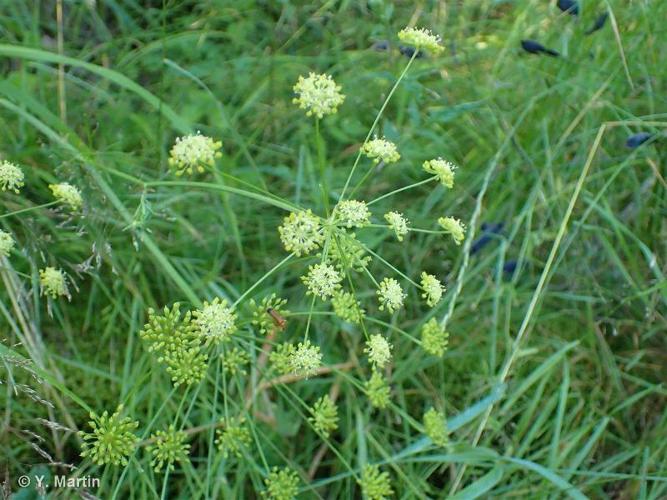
column 585, row 399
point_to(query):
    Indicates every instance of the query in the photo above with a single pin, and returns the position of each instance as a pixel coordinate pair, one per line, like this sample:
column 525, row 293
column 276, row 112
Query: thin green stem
column 404, row 188
column 30, row 209
column 260, row 280
column 375, row 122
column 375, row 168
column 324, row 185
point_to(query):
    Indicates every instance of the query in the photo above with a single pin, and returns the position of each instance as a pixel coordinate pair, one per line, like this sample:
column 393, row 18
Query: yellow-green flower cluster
column 6, row 243
column 324, row 416
column 443, row 169
column 168, row 448
column 421, row 38
column 306, row 359
column 381, row 150
column 435, row 427
column 301, row 232
column 377, row 390
column 53, row 282
column 347, row 307
column 378, row 350
column 112, row 439
column 281, row 484
column 318, row 95
column 432, row 289
column 232, row 437
column 375, row 485
column 352, row 213
column 193, row 153
column 11, row 177
column 281, row 358
column 67, row 194
column 398, row 223
column 322, row 280
column 216, row 321
column 390, row 294
column 177, row 342
column 434, row 338
column 454, row 227
column 234, row 361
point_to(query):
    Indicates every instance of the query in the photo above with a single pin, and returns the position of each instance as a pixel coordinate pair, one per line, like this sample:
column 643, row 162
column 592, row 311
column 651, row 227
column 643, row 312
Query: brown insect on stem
column 277, row 318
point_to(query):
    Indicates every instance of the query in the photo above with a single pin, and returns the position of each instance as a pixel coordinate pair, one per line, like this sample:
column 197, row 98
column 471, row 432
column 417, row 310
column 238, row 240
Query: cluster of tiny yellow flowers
column 391, row 295
column 324, row 416
column 435, row 427
column 318, row 95
column 232, row 437
column 377, row 390
column 305, row 359
column 375, row 485
column 176, row 340
column 434, row 338
column 281, row 358
column 381, row 150
column 454, row 227
column 432, row 289
column 398, row 223
column 67, row 194
column 53, row 282
column 347, row 307
column 6, row 243
column 352, row 213
column 322, row 280
column 112, row 439
column 234, row 361
column 443, row 169
column 281, row 484
column 421, row 38
column 193, row 153
column 378, row 350
column 301, row 232
column 168, row 448
column 11, row 177
column 216, row 321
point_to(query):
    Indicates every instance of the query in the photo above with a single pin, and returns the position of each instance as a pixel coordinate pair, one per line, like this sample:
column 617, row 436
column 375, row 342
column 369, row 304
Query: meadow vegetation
column 333, row 249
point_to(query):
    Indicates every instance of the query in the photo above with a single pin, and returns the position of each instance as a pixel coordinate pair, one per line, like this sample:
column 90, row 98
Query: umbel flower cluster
column 341, row 276
column 177, row 342
column 53, row 281
column 112, row 439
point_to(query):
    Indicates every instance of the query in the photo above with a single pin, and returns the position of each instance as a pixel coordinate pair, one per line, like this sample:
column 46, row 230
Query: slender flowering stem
column 389, row 265
column 324, row 187
column 377, row 168
column 404, row 188
column 412, row 229
column 377, row 119
column 260, row 280
column 218, row 187
column 30, row 209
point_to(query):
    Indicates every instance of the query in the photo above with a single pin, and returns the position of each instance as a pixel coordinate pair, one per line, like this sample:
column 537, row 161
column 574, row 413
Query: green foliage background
column 583, row 409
